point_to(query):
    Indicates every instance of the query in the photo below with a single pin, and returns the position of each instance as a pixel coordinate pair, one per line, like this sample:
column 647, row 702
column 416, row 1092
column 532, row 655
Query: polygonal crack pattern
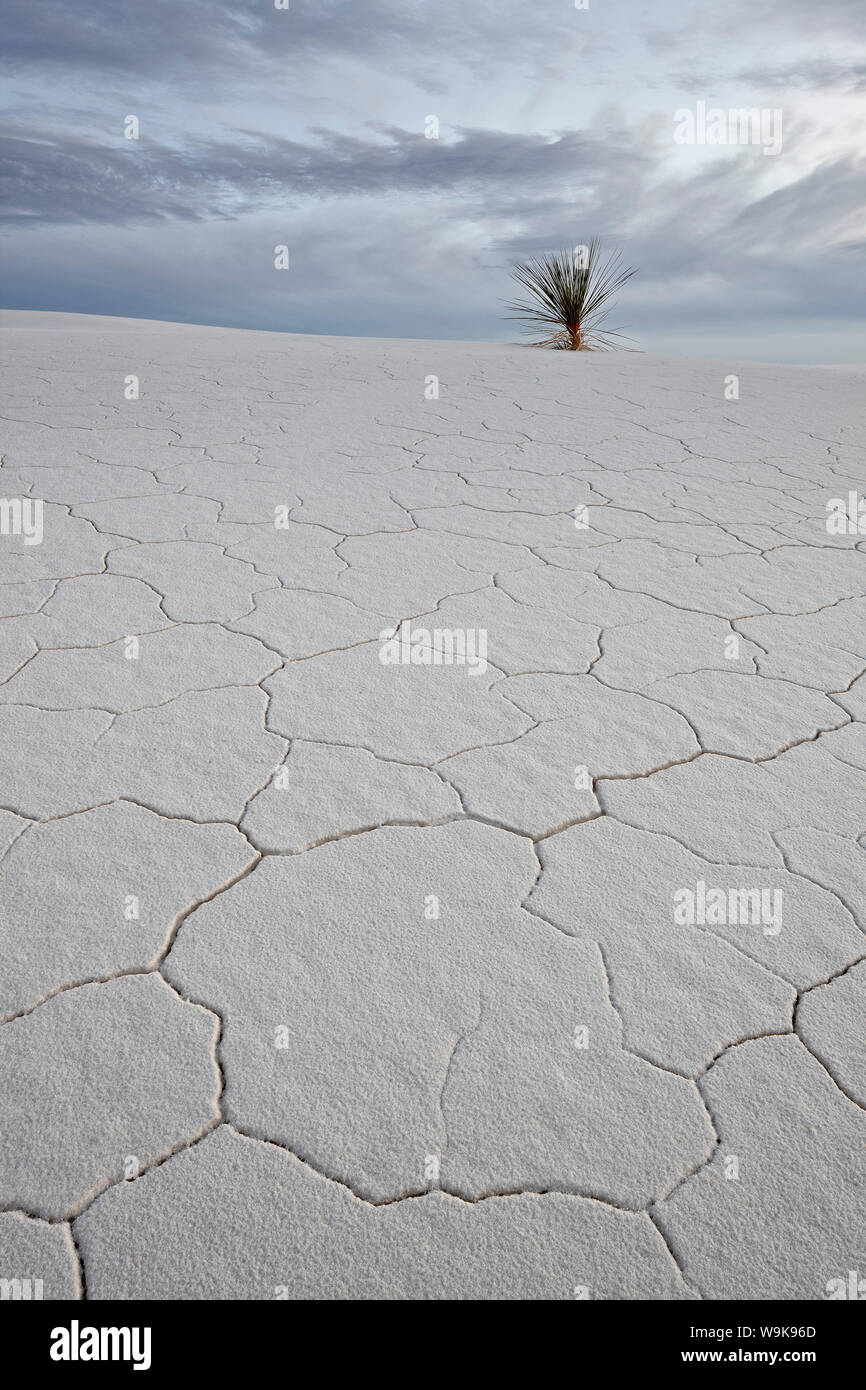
column 432, row 836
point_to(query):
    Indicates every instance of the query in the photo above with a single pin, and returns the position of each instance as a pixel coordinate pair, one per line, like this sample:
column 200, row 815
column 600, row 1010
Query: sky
column 408, row 152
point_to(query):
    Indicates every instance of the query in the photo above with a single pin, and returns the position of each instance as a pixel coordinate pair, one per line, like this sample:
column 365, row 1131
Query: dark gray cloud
column 393, row 205
column 160, row 35
column 203, row 37
column 47, row 179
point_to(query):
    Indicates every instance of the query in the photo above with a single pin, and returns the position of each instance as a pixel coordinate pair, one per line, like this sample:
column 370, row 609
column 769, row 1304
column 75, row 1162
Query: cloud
column 812, row 75
column 45, row 179
column 306, row 127
column 201, row 36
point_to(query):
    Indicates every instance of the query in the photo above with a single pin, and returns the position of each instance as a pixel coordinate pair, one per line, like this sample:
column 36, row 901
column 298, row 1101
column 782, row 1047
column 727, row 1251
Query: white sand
column 423, row 926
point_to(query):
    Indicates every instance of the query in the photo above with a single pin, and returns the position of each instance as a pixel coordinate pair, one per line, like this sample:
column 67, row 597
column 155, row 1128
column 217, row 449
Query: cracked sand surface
column 332, row 978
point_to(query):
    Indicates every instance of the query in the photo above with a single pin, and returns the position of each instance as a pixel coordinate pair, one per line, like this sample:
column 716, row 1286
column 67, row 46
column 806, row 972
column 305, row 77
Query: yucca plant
column 571, row 294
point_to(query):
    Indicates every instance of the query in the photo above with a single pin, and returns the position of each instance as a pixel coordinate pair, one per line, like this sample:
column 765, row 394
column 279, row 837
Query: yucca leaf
column 572, row 295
